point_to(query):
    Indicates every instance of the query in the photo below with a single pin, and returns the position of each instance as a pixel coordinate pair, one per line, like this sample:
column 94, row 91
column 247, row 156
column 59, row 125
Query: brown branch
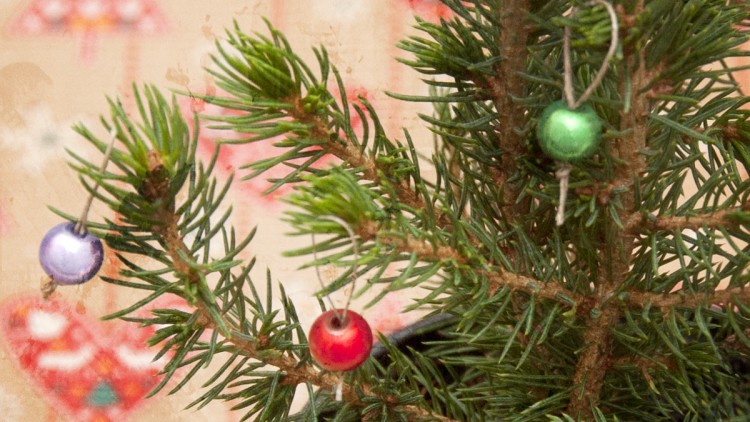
column 683, row 300
column 550, row 290
column 732, row 133
column 595, row 359
column 498, row 279
column 155, row 189
column 735, row 344
column 646, row 364
column 504, row 87
column 351, row 154
column 294, row 374
column 369, row 230
column 637, row 222
column 593, row 364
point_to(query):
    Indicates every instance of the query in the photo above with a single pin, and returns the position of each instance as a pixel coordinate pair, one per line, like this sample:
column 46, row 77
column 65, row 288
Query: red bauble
column 340, row 345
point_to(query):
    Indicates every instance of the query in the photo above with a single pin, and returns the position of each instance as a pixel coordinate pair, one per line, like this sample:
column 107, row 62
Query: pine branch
column 353, row 154
column 370, row 230
column 644, row 364
column 306, row 113
column 637, row 174
column 506, row 86
column 161, row 169
column 688, row 300
column 594, row 360
column 295, row 372
column 639, row 222
column 498, row 279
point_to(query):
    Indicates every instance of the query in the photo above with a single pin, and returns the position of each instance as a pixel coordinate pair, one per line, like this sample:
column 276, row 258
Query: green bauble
column 568, row 135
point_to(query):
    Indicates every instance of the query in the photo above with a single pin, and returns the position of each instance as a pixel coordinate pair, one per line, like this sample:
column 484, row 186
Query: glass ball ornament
column 568, row 134
column 70, row 257
column 340, row 344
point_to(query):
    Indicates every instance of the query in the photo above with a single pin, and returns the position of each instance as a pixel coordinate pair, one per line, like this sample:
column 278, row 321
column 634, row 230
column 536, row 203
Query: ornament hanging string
column 82, row 224
column 80, row 228
column 342, row 317
column 568, row 94
column 354, row 270
column 563, row 171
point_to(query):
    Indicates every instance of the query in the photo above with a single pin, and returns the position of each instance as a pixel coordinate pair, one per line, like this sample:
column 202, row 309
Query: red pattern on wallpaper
column 84, row 370
column 432, row 10
column 88, row 18
column 389, row 316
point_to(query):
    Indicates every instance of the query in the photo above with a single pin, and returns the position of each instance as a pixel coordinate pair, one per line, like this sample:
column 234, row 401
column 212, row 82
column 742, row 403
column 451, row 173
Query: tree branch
column 616, row 254
column 682, row 300
column 295, row 372
column 354, row 157
column 428, row 252
column 504, row 87
column 637, row 222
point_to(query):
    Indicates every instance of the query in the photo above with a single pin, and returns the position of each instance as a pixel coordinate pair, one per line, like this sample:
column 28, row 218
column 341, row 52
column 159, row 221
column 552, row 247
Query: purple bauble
column 70, row 257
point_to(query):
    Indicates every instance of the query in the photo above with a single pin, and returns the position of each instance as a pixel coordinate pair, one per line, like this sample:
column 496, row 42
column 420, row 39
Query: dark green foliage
column 616, row 315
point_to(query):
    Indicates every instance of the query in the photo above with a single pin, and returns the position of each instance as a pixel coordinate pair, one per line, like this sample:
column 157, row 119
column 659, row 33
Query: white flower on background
column 39, row 138
column 341, row 10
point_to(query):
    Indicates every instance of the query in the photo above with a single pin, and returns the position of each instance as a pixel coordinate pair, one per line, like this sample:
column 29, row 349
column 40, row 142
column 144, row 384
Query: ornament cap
column 569, row 134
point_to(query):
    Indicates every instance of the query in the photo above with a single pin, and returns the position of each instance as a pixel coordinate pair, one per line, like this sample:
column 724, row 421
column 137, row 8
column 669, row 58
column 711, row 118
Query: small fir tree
column 615, row 315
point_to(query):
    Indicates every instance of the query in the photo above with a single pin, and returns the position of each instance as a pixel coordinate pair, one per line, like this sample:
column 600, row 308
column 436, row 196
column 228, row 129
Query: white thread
column 355, row 249
column 563, row 172
column 340, row 390
column 569, row 95
column 81, row 225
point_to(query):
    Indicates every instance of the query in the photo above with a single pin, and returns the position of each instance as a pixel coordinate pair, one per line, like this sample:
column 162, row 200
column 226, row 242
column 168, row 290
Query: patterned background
column 58, row 61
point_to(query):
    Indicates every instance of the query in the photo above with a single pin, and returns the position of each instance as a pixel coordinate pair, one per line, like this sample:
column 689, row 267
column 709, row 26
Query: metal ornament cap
column 70, row 257
column 566, row 134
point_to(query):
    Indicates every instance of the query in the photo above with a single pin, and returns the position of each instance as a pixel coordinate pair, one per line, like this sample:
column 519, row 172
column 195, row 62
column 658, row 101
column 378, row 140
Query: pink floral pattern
column 432, row 10
column 389, row 315
column 88, row 17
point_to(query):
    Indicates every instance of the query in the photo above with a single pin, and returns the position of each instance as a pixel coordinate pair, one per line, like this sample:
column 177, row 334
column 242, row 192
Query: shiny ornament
column 568, row 135
column 70, row 257
column 340, row 344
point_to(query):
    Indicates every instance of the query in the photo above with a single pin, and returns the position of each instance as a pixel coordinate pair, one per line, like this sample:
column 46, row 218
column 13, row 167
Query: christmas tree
column 633, row 308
